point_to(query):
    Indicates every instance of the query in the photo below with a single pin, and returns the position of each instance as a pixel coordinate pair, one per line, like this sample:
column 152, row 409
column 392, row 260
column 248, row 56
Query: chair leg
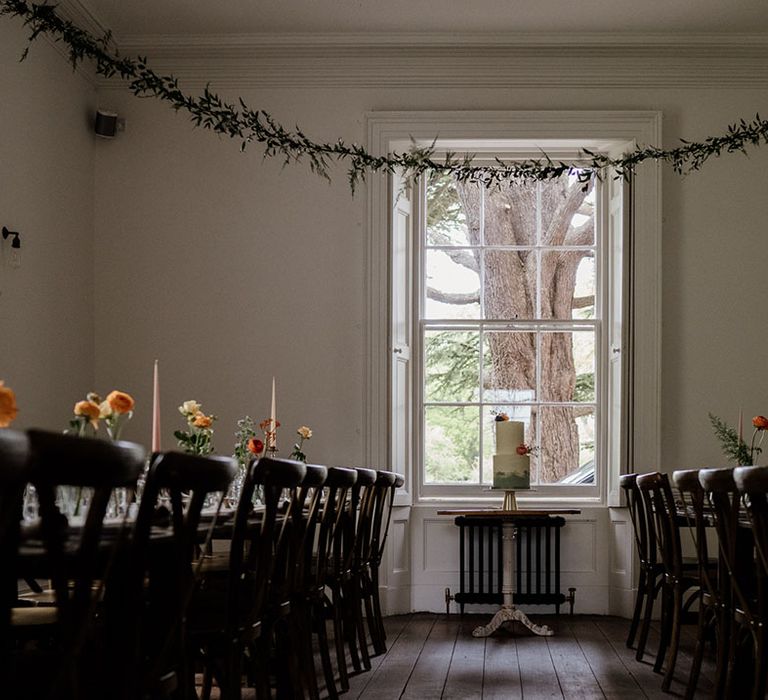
column 639, row 598
column 325, row 654
column 338, row 640
column 759, row 680
column 674, row 642
column 377, row 621
column 698, row 654
column 650, row 599
column 665, row 625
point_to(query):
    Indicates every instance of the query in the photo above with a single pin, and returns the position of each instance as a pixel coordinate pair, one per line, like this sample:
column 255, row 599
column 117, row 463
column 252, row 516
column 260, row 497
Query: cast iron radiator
column 537, row 566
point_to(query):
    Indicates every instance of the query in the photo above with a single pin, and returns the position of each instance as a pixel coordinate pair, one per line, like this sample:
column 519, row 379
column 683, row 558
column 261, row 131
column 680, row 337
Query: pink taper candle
column 156, row 412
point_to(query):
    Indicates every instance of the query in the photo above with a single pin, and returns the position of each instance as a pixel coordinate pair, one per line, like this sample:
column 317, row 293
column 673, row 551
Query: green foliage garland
column 209, row 111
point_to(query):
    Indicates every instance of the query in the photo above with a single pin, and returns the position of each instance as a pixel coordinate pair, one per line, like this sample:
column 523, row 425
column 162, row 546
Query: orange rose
column 760, row 422
column 90, row 410
column 8, row 408
column 523, row 449
column 255, row 446
column 202, row 421
column 120, row 402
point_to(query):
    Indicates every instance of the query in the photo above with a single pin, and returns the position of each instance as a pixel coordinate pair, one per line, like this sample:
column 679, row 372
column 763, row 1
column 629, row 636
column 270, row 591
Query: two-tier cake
column 511, row 470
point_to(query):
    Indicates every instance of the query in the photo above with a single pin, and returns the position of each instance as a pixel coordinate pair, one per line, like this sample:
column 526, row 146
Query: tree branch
column 583, row 302
column 453, row 298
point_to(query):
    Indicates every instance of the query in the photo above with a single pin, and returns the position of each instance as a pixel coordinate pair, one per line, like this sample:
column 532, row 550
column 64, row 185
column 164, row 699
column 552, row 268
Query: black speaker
column 105, row 124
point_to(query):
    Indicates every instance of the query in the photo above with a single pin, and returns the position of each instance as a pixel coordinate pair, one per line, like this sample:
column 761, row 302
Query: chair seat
column 34, row 616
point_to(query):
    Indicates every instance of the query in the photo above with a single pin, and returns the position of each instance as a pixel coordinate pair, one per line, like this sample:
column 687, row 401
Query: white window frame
column 563, row 131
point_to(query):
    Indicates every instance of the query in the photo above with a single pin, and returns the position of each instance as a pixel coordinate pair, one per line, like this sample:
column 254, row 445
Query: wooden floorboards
column 434, row 656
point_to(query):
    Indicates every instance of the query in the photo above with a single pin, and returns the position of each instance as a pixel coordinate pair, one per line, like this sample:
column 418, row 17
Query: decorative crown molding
column 514, row 60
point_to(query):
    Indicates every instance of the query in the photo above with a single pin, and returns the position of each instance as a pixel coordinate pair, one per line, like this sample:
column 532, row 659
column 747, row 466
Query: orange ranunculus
column 8, row 408
column 120, row 402
column 202, row 421
column 760, row 422
column 255, row 446
column 89, row 410
column 523, row 449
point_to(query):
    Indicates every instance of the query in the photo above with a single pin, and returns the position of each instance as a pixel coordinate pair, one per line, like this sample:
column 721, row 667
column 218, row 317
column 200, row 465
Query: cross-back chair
column 659, row 502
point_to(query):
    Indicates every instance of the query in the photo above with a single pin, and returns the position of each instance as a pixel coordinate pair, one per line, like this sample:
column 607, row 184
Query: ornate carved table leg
column 508, row 612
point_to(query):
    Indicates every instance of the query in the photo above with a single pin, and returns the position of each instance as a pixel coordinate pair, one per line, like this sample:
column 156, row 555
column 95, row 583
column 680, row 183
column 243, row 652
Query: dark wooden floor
column 431, row 656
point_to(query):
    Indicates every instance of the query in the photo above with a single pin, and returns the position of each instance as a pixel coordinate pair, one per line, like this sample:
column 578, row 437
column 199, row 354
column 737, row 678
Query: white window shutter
column 401, row 333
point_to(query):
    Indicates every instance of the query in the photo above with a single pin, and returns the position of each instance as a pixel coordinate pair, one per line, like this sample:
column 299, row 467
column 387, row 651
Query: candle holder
column 510, row 501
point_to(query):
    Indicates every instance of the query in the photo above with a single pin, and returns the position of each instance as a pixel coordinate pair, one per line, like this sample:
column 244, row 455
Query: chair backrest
column 14, row 473
column 338, row 484
column 281, row 480
column 694, row 500
column 75, row 556
column 752, row 484
column 646, row 548
column 382, row 510
column 735, row 551
column 659, row 504
column 66, row 460
column 362, row 503
column 157, row 578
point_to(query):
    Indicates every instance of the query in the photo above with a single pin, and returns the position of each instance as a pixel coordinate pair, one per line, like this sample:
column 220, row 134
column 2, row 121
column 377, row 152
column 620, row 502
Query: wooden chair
column 659, row 501
column 14, row 474
column 752, row 485
column 373, row 550
column 149, row 595
column 338, row 483
column 227, row 629
column 714, row 614
column 736, row 554
column 75, row 558
column 651, row 573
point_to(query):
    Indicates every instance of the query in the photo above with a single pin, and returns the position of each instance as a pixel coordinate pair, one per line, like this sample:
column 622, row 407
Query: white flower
column 304, row 432
column 189, row 408
column 105, row 409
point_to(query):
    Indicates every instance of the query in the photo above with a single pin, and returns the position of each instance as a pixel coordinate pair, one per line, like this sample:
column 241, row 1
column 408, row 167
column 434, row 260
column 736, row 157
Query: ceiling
column 217, row 17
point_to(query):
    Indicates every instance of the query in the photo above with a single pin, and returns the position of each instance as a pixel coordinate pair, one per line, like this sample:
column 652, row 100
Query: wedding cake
column 511, row 470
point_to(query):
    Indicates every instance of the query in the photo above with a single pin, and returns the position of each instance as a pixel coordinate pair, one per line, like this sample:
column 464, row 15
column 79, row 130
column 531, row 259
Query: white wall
column 46, row 193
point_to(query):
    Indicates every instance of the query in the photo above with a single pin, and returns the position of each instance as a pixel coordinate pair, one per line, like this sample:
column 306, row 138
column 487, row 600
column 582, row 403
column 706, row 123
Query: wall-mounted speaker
column 105, row 124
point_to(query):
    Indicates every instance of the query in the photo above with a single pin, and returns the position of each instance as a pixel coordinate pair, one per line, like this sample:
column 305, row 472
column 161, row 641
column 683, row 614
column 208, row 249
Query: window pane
column 453, row 212
column 567, row 445
column 451, row 366
column 567, row 212
column 452, row 444
column 510, row 215
column 452, row 284
column 518, row 413
column 568, row 366
column 509, row 367
column 510, row 284
column 566, row 282
column 584, row 295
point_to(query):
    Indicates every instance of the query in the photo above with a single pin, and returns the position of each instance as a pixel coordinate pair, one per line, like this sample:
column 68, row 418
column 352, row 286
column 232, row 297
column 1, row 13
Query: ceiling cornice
column 598, row 60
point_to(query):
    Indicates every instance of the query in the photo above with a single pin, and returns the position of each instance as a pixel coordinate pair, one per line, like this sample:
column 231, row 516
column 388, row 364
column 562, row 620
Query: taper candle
column 156, row 411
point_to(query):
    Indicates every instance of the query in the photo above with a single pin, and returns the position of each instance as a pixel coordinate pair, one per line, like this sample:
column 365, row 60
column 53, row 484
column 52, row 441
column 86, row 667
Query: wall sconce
column 15, row 246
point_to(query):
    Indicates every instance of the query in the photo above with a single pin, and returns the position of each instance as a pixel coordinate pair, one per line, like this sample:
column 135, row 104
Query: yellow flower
column 202, row 421
column 120, row 402
column 89, row 410
column 105, row 410
column 8, row 408
column 304, row 432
